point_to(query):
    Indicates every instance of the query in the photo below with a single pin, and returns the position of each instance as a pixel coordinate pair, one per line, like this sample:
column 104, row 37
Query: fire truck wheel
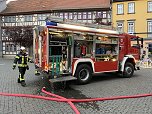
column 128, row 70
column 83, row 74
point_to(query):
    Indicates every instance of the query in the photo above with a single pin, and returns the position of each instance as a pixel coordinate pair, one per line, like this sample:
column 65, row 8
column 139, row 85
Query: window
column 98, row 14
column 75, row 15
column 131, row 27
column 120, row 9
column 150, row 50
column 7, row 48
column 10, row 19
column 61, row 15
column 5, row 33
column 94, row 15
column 120, row 26
column 89, row 15
column 70, row 15
column 57, row 14
column 41, row 17
column 66, row 15
column 131, row 7
column 84, row 15
column 79, row 15
column 104, row 14
column 10, row 48
column 150, row 28
column 28, row 18
column 150, row 6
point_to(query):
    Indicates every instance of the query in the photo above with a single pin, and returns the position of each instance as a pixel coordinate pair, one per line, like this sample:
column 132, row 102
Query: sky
column 9, row 1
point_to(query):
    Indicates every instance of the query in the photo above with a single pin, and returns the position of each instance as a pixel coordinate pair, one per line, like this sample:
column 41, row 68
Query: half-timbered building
column 35, row 12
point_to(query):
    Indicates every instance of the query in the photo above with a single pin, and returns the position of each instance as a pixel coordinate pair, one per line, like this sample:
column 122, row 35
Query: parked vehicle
column 67, row 51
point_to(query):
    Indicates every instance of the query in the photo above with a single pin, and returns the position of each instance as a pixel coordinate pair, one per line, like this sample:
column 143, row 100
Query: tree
column 20, row 35
column 99, row 21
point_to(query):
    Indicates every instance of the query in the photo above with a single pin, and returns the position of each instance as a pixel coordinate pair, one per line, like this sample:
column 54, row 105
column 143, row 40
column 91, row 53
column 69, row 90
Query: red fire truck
column 67, row 51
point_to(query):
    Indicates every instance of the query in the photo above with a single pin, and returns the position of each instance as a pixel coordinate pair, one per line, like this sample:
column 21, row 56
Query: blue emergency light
column 50, row 23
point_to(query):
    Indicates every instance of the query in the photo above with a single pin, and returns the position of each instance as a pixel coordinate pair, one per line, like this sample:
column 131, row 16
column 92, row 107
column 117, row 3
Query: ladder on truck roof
column 78, row 23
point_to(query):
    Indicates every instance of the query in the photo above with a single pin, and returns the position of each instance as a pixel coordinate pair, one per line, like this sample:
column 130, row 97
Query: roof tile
column 22, row 6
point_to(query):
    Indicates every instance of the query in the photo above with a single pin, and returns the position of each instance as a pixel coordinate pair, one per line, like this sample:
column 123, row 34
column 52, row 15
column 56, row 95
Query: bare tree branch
column 20, row 35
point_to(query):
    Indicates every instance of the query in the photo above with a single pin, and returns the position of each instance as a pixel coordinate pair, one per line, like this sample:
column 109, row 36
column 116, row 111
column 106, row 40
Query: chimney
column 2, row 5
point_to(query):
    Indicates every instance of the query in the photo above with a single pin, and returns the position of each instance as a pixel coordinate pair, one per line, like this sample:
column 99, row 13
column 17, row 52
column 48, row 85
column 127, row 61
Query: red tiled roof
column 26, row 6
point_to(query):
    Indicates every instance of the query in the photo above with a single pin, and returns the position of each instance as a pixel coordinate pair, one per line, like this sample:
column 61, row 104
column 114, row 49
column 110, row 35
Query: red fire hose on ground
column 70, row 101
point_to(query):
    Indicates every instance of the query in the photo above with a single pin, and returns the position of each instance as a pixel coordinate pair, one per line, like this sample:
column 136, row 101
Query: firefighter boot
column 23, row 83
column 37, row 72
column 18, row 80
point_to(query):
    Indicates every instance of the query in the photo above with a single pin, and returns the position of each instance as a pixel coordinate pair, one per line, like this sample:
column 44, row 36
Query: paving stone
column 106, row 85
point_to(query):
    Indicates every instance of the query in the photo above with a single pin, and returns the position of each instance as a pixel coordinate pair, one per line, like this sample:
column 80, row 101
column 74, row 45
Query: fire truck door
column 122, row 48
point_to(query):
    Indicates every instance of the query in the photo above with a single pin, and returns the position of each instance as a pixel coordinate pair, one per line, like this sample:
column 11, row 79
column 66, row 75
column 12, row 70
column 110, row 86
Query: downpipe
column 71, row 101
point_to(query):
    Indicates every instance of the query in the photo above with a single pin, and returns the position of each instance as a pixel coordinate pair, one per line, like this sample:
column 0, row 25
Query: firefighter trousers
column 22, row 71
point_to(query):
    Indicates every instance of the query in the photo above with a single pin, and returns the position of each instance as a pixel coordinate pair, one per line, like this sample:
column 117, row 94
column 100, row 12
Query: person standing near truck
column 21, row 59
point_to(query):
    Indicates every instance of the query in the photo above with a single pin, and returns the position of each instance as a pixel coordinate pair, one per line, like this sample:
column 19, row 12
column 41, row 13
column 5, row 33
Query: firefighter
column 21, row 59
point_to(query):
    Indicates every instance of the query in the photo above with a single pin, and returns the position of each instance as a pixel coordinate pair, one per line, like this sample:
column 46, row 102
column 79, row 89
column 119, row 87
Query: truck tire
column 128, row 70
column 83, row 74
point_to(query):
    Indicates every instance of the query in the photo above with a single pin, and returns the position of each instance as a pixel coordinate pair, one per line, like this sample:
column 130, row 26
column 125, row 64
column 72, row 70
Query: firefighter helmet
column 22, row 48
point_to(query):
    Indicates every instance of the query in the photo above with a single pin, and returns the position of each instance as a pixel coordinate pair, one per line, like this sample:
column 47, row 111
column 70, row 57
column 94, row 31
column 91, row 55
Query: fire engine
column 70, row 51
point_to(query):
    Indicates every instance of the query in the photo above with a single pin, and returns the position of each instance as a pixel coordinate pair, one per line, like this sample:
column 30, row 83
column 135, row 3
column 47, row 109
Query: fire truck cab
column 68, row 51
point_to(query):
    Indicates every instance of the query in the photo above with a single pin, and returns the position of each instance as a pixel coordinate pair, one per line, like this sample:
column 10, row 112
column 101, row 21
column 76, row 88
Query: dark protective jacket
column 21, row 59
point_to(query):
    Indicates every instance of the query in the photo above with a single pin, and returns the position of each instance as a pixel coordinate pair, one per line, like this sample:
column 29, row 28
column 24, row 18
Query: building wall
column 140, row 16
column 86, row 16
column 0, row 37
column 2, row 7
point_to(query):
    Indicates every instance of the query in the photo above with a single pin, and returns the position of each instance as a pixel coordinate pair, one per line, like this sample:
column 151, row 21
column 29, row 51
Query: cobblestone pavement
column 106, row 85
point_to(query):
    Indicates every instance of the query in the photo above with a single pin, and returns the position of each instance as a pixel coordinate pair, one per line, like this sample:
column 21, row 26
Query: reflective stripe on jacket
column 21, row 60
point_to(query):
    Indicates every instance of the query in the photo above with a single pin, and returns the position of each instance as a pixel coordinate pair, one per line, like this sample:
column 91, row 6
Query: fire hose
column 70, row 101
